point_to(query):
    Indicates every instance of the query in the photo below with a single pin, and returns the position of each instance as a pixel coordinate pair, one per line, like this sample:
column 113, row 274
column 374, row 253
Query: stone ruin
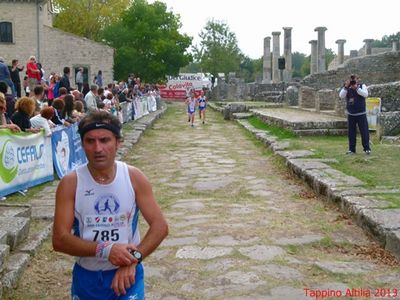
column 379, row 69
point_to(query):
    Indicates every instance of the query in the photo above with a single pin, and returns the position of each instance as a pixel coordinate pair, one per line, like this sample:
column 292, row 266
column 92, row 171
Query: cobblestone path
column 240, row 226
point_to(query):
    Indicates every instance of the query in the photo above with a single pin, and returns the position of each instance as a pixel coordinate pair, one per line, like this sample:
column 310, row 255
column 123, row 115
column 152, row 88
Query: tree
column 250, row 69
column 88, row 17
column 218, row 51
column 147, row 42
column 329, row 56
column 386, row 41
column 298, row 60
column 193, row 67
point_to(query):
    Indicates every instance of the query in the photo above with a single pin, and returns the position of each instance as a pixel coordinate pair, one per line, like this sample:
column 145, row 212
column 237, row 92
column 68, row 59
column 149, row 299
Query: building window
column 6, row 32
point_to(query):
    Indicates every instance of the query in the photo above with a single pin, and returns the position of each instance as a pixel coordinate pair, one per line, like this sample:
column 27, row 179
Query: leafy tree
column 88, row 17
column 147, row 42
column 250, row 69
column 298, row 60
column 329, row 56
column 218, row 51
column 193, row 67
column 386, row 41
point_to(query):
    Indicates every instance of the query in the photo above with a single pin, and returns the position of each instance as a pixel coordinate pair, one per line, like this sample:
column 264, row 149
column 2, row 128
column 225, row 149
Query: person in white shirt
column 42, row 120
column 96, row 217
column 90, row 99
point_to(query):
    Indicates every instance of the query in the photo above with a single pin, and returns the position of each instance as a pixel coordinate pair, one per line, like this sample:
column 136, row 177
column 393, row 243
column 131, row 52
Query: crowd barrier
column 29, row 159
column 139, row 107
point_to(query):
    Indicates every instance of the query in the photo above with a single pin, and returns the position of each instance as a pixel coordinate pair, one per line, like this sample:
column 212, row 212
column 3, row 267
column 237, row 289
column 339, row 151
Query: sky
column 253, row 20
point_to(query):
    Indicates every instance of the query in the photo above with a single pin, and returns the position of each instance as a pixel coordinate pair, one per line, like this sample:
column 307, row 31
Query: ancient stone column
column 367, row 47
column 267, row 60
column 394, row 45
column 287, row 54
column 321, row 49
column 313, row 63
column 275, row 56
column 340, row 52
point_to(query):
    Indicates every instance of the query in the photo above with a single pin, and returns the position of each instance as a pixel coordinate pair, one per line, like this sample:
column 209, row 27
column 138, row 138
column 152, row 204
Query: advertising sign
column 68, row 153
column 25, row 161
column 177, row 87
column 373, row 108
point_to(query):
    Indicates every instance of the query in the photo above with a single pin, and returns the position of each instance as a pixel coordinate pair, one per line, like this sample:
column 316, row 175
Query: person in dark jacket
column 355, row 93
column 64, row 82
column 24, row 110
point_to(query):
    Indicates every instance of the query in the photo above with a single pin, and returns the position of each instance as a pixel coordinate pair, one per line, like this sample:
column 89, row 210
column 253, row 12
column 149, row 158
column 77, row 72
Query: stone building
column 26, row 28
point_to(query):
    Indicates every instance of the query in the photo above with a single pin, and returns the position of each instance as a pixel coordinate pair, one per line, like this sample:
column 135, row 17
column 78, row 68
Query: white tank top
column 105, row 212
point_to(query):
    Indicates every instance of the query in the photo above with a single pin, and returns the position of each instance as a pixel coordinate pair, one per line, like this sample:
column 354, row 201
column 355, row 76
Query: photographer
column 355, row 93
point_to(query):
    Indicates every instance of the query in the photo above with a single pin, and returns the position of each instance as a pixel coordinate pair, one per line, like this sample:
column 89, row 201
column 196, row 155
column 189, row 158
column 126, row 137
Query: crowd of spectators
column 41, row 101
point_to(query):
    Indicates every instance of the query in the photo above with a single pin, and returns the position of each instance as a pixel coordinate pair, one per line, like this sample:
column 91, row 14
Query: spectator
column 77, row 95
column 24, row 110
column 5, row 122
column 90, row 99
column 42, row 120
column 33, row 74
column 57, row 119
column 99, row 79
column 50, row 90
column 25, row 85
column 9, row 99
column 38, row 95
column 14, row 72
column 56, row 89
column 5, row 76
column 63, row 92
column 85, row 89
column 79, row 109
column 64, row 82
column 79, row 79
column 67, row 112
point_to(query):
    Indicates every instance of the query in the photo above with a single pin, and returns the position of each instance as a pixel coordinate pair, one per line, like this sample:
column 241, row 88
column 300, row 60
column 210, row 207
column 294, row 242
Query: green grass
column 280, row 133
column 380, row 169
column 393, row 199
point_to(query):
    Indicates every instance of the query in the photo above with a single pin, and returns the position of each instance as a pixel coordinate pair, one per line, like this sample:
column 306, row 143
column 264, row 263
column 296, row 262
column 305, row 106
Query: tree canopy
column 218, row 51
column 88, row 18
column 147, row 42
column 386, row 41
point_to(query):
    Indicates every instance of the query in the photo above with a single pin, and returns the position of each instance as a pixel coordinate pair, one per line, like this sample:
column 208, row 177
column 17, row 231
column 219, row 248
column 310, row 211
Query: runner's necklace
column 99, row 178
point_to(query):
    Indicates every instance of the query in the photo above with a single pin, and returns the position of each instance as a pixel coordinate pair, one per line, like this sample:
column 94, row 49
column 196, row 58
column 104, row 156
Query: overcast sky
column 252, row 20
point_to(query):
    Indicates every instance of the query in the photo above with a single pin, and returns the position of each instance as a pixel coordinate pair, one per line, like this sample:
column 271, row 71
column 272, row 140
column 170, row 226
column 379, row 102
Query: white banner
column 25, row 160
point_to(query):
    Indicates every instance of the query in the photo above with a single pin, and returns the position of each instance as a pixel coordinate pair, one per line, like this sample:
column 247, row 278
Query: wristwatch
column 136, row 254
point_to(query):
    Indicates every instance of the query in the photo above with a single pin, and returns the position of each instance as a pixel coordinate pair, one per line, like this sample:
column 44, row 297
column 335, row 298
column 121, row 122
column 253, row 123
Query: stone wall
column 307, row 97
column 388, row 124
column 373, row 69
column 325, row 99
column 58, row 49
column 389, row 94
column 57, row 54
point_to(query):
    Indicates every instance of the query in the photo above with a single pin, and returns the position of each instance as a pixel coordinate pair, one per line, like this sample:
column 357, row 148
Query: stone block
column 393, row 243
column 33, row 242
column 325, row 100
column 379, row 222
column 4, row 253
column 15, row 210
column 307, row 97
column 3, row 237
column 15, row 266
column 17, row 229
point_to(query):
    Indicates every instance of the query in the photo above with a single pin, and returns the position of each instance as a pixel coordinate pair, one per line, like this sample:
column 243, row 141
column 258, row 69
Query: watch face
column 137, row 255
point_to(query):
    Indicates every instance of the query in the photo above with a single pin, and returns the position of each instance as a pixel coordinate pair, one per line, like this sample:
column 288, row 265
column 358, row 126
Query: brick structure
column 33, row 34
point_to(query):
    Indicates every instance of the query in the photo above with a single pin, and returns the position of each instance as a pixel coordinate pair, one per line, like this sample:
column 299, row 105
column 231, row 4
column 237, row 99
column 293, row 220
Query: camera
column 353, row 82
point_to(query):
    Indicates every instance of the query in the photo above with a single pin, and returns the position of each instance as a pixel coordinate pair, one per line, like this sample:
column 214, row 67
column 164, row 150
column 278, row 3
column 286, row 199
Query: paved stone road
column 240, row 226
